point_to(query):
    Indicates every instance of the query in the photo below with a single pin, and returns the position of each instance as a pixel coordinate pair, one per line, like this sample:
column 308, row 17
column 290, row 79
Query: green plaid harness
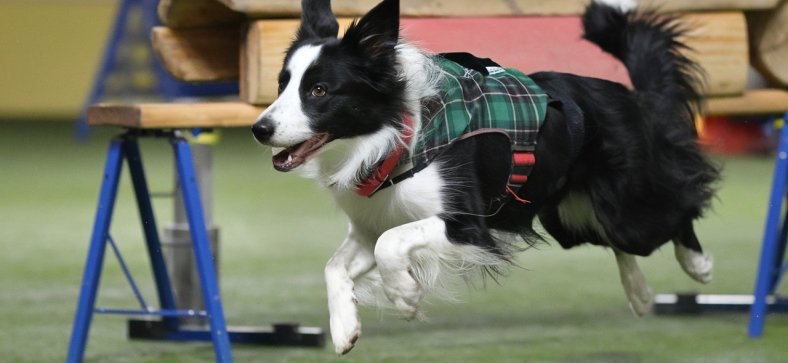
column 505, row 101
column 485, row 99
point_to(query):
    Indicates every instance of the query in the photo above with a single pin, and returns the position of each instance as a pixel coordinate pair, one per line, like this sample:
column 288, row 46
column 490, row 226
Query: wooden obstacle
column 240, row 114
column 198, row 55
column 553, row 43
column 174, row 115
column 459, row 8
column 769, row 43
column 204, row 40
column 180, row 14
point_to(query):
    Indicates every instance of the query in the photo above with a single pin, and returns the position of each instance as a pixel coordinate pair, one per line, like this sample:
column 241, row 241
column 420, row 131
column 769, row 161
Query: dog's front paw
column 344, row 341
column 345, row 328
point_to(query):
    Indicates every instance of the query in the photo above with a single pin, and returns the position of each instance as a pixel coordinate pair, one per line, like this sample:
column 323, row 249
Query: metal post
column 148, row 219
column 769, row 264
column 95, row 259
column 201, row 249
column 177, row 242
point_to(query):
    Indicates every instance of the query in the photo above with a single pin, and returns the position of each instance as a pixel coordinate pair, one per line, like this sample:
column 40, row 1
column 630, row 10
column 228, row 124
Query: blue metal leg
column 95, row 259
column 202, row 252
column 163, row 285
column 769, row 265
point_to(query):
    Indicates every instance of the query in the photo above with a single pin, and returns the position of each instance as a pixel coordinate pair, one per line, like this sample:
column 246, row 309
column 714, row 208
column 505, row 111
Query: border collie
column 605, row 165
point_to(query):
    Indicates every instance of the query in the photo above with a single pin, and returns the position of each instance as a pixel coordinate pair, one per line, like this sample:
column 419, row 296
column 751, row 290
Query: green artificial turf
column 277, row 230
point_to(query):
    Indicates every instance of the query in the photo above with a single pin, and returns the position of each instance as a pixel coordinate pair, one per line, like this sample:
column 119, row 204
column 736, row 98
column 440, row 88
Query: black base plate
column 287, row 334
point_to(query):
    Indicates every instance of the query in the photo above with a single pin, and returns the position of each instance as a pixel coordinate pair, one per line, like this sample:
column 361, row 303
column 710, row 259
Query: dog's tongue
column 294, row 156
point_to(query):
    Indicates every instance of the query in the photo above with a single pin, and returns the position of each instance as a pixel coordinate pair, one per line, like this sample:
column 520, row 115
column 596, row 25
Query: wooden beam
column 752, row 102
column 719, row 40
column 718, row 43
column 196, row 55
column 707, row 5
column 180, row 14
column 769, row 38
column 174, row 115
column 475, row 8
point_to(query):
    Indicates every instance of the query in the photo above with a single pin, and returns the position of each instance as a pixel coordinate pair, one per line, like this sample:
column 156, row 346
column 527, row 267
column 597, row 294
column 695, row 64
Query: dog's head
column 331, row 88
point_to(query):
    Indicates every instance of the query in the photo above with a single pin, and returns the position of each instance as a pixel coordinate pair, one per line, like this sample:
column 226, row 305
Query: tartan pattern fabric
column 505, row 101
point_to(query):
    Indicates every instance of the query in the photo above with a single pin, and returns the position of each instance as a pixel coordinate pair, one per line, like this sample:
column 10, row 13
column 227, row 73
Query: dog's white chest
column 416, row 198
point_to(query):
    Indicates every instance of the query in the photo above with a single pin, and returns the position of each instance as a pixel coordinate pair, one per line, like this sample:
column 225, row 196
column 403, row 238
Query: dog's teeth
column 289, row 158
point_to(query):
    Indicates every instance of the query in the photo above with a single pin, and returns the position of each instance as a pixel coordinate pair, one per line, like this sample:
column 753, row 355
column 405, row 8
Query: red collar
column 379, row 176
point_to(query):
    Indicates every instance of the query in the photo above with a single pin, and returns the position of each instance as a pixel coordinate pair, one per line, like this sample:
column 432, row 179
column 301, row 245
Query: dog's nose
column 263, row 130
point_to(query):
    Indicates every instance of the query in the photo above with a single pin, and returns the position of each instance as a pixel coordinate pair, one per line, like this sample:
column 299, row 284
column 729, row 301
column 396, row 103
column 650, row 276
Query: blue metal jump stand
column 771, row 267
column 126, row 147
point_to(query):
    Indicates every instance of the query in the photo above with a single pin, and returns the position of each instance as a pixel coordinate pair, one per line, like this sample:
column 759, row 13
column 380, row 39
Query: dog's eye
column 318, row 91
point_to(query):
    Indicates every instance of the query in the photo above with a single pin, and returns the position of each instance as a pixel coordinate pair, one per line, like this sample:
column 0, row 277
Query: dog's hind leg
column 353, row 259
column 696, row 263
column 635, row 286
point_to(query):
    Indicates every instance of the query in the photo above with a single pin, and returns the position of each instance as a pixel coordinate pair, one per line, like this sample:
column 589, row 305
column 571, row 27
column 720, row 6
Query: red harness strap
column 379, row 176
column 522, row 163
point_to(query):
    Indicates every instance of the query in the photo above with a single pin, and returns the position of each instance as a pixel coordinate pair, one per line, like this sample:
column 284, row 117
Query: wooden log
column 180, row 14
column 174, row 115
column 769, row 43
column 719, row 44
column 196, row 55
column 752, row 102
column 475, row 8
column 719, row 39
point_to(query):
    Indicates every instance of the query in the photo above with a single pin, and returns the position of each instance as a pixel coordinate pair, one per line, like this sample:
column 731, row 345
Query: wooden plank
column 769, row 38
column 195, row 55
column 174, row 115
column 719, row 39
column 475, row 8
column 180, row 14
column 752, row 102
column 719, row 44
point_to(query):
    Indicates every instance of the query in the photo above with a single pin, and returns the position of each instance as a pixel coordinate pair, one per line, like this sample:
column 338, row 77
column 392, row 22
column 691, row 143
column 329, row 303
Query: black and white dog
column 614, row 167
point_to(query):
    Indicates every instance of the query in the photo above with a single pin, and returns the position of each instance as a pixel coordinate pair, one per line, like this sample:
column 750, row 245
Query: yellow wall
column 49, row 51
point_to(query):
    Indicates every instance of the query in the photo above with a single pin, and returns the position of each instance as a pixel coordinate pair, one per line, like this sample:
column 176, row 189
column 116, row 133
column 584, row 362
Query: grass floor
column 278, row 230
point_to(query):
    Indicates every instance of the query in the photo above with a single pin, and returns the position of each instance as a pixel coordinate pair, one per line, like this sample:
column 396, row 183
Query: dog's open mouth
column 296, row 155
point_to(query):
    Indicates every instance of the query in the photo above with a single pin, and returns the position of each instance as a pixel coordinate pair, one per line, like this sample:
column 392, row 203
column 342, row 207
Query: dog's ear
column 377, row 33
column 317, row 20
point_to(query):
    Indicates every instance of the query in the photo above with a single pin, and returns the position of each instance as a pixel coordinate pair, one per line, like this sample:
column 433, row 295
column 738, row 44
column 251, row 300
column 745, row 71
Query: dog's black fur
column 638, row 159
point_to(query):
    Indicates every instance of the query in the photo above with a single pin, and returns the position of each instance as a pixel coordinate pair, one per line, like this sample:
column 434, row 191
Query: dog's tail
column 648, row 44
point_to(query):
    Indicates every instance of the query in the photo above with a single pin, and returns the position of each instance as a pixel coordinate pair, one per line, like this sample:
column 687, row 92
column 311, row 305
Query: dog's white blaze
column 291, row 125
